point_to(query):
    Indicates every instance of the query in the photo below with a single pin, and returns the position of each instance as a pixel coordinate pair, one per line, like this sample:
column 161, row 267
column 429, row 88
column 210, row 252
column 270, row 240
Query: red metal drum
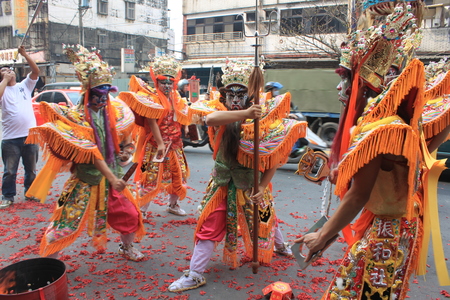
column 34, row 279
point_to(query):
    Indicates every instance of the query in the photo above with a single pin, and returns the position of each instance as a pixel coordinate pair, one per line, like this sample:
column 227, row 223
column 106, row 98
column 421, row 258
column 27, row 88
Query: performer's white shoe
column 283, row 249
column 176, row 210
column 130, row 253
column 190, row 280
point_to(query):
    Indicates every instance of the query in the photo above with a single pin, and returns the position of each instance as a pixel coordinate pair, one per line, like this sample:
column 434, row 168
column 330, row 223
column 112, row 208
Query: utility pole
column 80, row 23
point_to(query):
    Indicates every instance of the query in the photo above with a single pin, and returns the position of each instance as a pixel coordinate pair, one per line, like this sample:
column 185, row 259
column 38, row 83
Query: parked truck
column 314, row 95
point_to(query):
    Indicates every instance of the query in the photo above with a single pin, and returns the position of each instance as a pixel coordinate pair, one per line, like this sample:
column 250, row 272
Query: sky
column 176, row 21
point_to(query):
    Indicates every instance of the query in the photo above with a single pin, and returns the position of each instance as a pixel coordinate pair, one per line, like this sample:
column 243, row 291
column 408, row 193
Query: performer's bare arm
column 439, row 139
column 219, row 118
column 352, row 203
column 158, row 137
column 116, row 183
column 265, row 180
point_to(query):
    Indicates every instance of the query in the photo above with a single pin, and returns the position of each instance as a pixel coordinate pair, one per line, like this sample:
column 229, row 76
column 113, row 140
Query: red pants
column 122, row 213
column 214, row 227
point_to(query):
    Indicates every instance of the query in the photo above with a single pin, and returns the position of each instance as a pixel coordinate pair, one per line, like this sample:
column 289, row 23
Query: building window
column 313, row 20
column 7, row 7
column 214, row 25
column 102, row 7
column 129, row 10
column 102, row 39
column 218, row 28
column 129, row 41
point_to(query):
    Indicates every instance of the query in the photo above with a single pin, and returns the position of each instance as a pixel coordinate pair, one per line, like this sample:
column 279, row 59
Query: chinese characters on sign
column 8, row 56
column 20, row 23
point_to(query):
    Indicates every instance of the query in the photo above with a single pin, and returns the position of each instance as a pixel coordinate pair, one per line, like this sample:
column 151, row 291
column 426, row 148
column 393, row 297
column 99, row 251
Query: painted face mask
column 99, row 95
column 236, row 98
column 342, row 87
column 165, row 85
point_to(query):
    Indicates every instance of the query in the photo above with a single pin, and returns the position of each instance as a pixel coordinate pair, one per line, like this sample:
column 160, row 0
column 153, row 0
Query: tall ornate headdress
column 434, row 69
column 237, row 72
column 437, row 75
column 92, row 71
column 374, row 50
column 369, row 54
column 165, row 66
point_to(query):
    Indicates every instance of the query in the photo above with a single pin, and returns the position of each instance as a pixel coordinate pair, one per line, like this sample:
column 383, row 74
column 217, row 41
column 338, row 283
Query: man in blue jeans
column 17, row 118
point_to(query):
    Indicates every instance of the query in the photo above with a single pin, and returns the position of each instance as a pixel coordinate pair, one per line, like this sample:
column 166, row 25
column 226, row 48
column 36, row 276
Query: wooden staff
column 256, row 81
column 36, row 11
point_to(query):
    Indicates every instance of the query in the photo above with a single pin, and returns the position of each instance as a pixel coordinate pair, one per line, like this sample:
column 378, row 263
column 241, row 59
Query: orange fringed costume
column 171, row 174
column 227, row 203
column 392, row 234
column 69, row 142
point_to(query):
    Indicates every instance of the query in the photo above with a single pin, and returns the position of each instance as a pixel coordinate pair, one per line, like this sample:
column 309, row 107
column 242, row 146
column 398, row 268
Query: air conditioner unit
column 85, row 3
column 130, row 46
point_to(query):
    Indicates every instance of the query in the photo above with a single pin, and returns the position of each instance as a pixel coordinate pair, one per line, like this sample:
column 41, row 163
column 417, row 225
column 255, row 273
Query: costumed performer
column 160, row 114
column 228, row 203
column 383, row 160
column 87, row 139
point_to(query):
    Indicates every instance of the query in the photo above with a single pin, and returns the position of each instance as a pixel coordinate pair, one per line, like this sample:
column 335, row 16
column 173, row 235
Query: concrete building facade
column 301, row 49
column 125, row 31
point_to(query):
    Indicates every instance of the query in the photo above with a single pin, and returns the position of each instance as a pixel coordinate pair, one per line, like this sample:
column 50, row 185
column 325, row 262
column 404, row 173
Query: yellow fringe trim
column 140, row 137
column 393, row 139
column 440, row 89
column 48, row 249
column 182, row 118
column 136, row 87
column 43, row 181
column 176, row 187
column 50, row 115
column 141, row 109
column 230, row 258
column 264, row 256
column 47, row 137
column 277, row 156
column 279, row 112
column 215, row 104
column 437, row 125
column 413, row 76
column 93, row 204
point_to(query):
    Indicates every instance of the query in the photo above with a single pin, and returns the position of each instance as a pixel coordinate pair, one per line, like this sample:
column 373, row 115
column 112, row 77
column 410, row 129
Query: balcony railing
column 213, row 37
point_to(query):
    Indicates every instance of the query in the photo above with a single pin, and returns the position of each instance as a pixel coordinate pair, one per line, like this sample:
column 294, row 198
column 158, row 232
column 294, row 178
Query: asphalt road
column 169, row 242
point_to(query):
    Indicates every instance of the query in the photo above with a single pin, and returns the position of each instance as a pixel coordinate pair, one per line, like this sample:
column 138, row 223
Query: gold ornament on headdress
column 346, row 57
column 237, row 72
column 92, row 71
column 165, row 66
column 408, row 49
column 435, row 69
column 375, row 49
